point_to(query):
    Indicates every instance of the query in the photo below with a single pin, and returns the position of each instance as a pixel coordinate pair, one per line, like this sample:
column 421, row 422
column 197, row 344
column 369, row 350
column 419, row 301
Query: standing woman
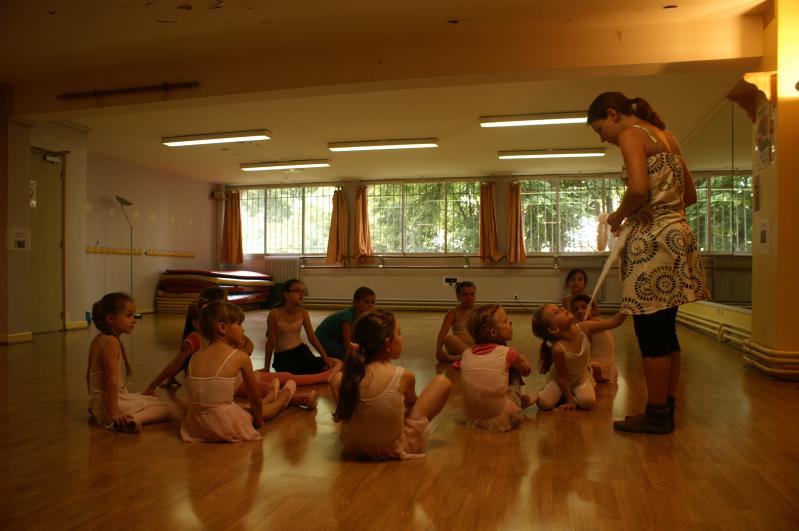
column 661, row 266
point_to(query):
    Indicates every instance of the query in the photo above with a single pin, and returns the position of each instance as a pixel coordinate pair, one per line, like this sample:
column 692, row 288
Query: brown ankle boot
column 654, row 421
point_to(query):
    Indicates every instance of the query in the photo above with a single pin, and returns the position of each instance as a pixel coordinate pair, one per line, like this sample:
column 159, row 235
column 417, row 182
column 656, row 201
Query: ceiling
column 64, row 39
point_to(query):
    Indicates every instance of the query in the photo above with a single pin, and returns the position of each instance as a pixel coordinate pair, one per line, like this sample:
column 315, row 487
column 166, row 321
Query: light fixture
column 370, row 145
column 552, row 118
column 552, row 153
column 216, row 138
column 285, row 165
column 122, row 204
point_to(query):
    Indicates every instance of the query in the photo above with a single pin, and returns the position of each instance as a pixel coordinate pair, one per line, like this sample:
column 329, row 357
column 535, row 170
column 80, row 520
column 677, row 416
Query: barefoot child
column 565, row 352
column 213, row 376
column 603, row 349
column 109, row 401
column 491, row 373
column 449, row 347
column 376, row 400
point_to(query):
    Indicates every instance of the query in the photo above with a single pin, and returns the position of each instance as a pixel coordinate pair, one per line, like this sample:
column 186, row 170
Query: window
column 425, row 217
column 286, row 220
column 722, row 216
column 561, row 215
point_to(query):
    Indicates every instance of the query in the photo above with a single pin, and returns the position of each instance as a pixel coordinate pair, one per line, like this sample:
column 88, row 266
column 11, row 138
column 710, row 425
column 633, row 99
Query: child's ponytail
column 541, row 330
column 371, row 333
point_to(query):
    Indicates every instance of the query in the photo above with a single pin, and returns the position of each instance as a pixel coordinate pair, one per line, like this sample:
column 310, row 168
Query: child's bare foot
column 289, row 388
column 274, row 388
column 307, row 400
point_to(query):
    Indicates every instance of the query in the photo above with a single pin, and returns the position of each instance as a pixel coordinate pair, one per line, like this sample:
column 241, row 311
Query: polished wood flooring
column 733, row 462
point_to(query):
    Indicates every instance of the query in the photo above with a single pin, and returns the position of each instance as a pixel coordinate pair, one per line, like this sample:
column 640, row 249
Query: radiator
column 282, row 268
column 730, row 279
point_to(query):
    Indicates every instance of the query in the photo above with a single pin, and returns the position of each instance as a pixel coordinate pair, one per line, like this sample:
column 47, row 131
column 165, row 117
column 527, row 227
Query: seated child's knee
column 587, row 403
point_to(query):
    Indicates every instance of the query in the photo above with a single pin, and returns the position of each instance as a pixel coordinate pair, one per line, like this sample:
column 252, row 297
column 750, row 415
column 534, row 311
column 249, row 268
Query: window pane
column 424, row 218
column 580, row 206
column 284, row 220
column 539, row 208
column 252, row 220
column 730, row 214
column 614, row 191
column 385, row 217
column 463, row 217
column 318, row 213
column 696, row 214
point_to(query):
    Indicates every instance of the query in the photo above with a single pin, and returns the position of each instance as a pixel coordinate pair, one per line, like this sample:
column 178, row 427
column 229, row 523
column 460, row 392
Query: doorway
column 47, row 237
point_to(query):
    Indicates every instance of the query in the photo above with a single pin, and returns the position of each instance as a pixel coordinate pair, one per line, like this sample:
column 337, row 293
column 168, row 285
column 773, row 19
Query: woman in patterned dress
column 661, row 266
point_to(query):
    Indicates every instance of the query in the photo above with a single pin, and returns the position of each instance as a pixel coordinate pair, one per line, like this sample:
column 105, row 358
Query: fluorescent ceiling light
column 285, row 165
column 552, row 118
column 553, row 153
column 371, row 145
column 216, row 138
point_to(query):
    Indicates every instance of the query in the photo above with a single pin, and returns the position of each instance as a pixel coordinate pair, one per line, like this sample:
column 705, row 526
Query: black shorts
column 657, row 333
column 299, row 360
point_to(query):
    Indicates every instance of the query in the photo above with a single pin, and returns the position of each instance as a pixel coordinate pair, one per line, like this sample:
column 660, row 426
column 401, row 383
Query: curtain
column 232, row 247
column 489, row 250
column 363, row 239
column 516, row 251
column 339, row 226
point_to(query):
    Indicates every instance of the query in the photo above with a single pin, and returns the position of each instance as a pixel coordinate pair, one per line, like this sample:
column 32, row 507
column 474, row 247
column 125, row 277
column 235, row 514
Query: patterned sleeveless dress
column 661, row 266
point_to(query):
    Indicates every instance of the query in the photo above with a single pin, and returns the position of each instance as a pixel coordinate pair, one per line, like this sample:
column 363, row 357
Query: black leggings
column 657, row 333
column 299, row 360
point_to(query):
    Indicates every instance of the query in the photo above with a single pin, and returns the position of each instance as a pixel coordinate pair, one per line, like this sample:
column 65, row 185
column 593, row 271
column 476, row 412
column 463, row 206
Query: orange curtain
column 339, row 225
column 489, row 250
column 363, row 239
column 516, row 251
column 232, row 247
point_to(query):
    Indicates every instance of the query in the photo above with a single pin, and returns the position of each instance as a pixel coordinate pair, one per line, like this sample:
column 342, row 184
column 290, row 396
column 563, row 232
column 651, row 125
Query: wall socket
column 450, row 281
column 515, row 296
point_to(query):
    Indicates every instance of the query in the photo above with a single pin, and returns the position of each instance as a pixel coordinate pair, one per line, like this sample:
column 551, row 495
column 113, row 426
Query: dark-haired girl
column 576, row 280
column 376, row 400
column 661, row 266
column 109, row 401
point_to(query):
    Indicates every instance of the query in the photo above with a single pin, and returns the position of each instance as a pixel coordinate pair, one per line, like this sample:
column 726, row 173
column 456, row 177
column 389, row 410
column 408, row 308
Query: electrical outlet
column 515, row 296
column 450, row 281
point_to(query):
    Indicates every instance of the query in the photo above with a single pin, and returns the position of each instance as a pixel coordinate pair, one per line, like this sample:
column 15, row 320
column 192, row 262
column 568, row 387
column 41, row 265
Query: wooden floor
column 733, row 462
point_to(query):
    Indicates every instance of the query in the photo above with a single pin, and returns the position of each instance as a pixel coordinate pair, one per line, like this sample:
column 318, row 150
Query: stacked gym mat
column 177, row 288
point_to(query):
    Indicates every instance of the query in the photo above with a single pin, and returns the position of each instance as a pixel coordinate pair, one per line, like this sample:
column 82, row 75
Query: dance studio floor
column 733, row 462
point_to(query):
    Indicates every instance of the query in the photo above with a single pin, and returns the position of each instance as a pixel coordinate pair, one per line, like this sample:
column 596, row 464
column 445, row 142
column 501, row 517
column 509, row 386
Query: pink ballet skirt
column 381, row 428
column 212, row 414
column 127, row 403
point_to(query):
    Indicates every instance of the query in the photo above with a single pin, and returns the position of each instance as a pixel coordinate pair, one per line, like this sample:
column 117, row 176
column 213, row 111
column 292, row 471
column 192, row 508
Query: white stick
column 618, row 245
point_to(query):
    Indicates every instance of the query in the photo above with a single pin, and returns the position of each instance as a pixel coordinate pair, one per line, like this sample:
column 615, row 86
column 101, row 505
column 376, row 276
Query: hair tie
column 549, row 343
column 355, row 347
column 204, row 305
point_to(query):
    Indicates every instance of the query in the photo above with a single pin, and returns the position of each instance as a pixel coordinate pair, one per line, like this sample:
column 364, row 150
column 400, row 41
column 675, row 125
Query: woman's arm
column 442, row 333
column 633, row 151
column 559, row 359
column 306, row 322
column 271, row 339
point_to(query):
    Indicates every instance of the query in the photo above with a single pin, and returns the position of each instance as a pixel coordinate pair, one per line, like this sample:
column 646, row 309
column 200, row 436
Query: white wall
column 168, row 213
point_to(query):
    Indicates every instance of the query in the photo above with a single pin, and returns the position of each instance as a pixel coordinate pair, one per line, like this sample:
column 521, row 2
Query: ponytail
column 598, row 110
column 371, row 332
column 217, row 312
column 644, row 111
column 548, row 339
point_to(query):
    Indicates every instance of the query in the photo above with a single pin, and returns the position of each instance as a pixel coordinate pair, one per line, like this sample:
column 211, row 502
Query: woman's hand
column 614, row 220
